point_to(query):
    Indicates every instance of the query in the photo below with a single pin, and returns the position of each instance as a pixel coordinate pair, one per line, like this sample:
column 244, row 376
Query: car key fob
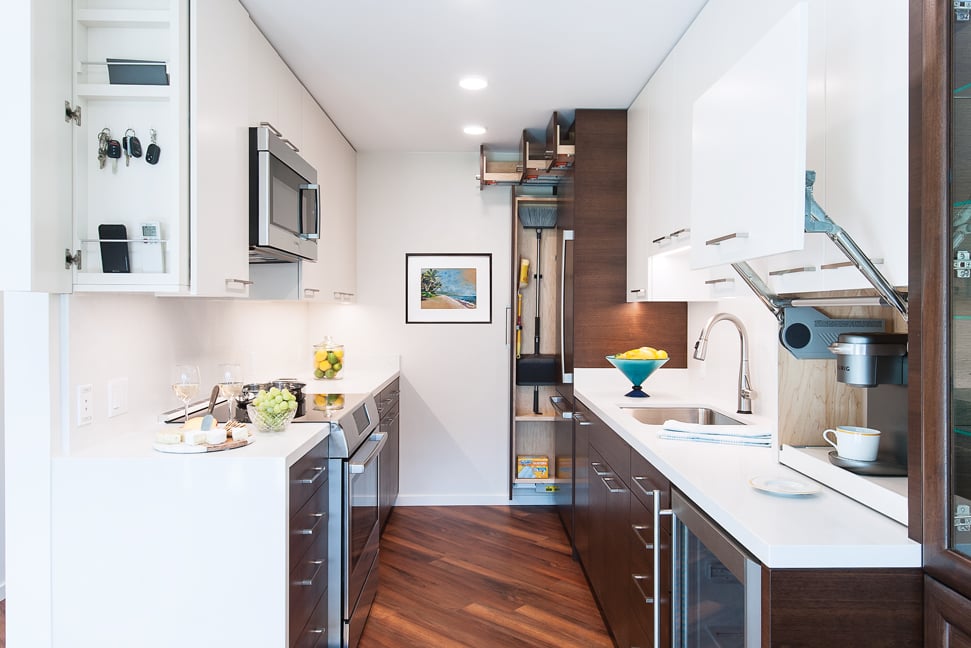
column 153, row 151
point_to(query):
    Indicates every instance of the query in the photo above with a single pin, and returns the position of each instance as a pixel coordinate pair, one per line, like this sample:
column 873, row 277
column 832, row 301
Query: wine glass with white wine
column 230, row 386
column 185, row 384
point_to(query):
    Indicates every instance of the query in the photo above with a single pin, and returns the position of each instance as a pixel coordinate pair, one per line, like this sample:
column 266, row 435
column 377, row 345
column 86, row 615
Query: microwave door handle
column 314, row 235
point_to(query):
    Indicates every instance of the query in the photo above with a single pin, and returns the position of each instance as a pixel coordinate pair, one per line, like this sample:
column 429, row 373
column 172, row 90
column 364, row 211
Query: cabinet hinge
column 962, row 264
column 962, row 10
column 72, row 259
column 72, row 113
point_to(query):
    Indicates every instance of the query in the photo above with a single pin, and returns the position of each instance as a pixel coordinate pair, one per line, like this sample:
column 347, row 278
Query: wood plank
column 481, row 576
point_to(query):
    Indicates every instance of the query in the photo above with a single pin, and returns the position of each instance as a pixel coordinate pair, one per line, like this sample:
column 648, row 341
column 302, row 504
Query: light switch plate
column 85, row 408
column 117, row 396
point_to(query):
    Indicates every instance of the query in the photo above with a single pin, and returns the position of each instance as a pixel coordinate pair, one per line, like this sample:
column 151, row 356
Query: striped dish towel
column 750, row 435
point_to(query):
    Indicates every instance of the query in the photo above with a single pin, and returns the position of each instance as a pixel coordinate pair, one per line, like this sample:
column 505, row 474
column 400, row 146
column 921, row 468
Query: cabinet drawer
column 614, row 449
column 308, row 527
column 308, row 583
column 314, row 634
column 307, row 475
column 387, row 398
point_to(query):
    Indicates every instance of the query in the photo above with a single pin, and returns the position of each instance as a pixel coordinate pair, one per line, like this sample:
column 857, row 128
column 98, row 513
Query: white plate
column 783, row 486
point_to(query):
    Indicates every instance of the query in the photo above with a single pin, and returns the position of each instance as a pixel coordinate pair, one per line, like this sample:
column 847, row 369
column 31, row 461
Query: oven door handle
column 356, row 466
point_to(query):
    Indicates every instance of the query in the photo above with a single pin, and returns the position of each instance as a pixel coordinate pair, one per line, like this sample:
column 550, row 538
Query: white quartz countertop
column 288, row 446
column 824, row 530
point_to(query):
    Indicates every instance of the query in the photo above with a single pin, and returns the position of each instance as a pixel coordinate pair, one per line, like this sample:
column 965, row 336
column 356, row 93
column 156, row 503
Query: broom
column 537, row 369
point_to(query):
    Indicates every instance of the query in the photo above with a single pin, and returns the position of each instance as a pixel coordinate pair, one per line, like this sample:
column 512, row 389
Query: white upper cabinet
column 858, row 123
column 333, row 277
column 854, row 134
column 749, row 150
column 219, row 161
column 36, row 181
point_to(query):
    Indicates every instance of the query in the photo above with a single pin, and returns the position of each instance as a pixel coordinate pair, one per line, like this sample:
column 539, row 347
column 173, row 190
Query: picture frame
column 448, row 288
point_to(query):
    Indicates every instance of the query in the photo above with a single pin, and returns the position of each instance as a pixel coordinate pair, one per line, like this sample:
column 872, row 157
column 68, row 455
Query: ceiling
column 387, row 71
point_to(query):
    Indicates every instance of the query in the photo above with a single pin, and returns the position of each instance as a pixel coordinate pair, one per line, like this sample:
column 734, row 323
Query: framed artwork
column 448, row 288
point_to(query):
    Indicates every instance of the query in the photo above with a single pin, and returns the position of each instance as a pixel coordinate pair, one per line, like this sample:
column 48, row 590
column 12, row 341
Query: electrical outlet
column 85, row 407
column 117, row 396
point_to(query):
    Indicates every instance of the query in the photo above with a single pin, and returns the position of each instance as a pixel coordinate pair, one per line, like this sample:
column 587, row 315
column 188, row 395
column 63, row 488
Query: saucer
column 872, row 468
column 783, row 486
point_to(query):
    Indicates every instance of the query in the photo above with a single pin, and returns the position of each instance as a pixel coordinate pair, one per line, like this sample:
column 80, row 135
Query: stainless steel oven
column 354, row 447
column 717, row 585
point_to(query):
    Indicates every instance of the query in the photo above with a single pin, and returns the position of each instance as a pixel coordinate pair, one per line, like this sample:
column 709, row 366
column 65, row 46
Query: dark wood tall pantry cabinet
column 940, row 322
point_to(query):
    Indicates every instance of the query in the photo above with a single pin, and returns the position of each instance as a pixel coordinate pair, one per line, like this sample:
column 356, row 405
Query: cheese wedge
column 168, row 437
column 194, row 423
column 194, row 437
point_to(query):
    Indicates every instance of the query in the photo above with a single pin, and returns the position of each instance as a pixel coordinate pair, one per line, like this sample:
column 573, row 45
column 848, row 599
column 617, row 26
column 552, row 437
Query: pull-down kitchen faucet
column 745, row 391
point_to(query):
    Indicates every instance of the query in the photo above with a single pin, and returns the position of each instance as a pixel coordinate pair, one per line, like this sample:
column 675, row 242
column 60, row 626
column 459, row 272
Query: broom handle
column 539, row 282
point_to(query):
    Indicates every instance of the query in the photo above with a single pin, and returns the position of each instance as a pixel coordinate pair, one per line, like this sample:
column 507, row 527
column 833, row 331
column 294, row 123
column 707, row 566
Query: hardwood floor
column 480, row 577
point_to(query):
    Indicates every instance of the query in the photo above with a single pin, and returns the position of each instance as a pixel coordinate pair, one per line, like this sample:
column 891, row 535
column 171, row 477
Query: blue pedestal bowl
column 637, row 371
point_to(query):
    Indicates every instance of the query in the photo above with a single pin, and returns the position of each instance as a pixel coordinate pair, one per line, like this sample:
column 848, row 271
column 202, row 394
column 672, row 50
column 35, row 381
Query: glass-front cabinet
column 941, row 240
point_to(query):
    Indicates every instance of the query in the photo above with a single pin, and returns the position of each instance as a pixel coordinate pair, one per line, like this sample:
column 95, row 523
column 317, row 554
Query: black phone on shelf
column 114, row 256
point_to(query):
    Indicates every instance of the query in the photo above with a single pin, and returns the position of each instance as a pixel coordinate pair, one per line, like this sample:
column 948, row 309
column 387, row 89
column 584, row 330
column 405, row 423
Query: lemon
column 323, row 365
column 319, row 355
column 662, row 354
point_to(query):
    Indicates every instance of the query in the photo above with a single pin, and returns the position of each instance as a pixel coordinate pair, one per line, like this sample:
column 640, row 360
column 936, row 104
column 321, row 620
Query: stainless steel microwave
column 284, row 200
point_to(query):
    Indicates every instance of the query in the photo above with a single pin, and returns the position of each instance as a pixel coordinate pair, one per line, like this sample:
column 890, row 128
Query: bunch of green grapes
column 274, row 402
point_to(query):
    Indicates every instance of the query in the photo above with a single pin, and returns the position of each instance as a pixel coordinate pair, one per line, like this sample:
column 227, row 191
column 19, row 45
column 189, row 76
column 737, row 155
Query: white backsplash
column 141, row 338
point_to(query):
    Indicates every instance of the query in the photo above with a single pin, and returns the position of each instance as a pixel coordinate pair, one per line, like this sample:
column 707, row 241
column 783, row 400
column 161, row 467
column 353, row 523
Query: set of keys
column 130, row 146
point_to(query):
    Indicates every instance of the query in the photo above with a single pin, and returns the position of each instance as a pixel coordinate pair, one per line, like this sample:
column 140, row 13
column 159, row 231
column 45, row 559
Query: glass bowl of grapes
column 273, row 410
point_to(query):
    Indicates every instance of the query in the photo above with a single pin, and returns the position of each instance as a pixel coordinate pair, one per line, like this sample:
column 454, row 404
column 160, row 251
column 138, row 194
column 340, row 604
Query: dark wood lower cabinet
column 947, row 617
column 801, row 608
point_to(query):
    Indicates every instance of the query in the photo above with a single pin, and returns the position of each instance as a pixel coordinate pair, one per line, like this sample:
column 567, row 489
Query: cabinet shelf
column 123, row 92
column 551, row 480
column 529, row 416
column 124, row 18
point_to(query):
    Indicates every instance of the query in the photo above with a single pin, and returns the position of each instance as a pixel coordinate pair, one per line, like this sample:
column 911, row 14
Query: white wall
column 455, row 377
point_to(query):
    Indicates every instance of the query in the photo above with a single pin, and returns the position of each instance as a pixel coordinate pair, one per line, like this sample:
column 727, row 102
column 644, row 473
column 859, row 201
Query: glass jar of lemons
column 328, row 360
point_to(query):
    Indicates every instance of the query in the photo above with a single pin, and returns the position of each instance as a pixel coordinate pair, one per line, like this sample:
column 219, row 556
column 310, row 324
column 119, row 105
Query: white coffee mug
column 853, row 442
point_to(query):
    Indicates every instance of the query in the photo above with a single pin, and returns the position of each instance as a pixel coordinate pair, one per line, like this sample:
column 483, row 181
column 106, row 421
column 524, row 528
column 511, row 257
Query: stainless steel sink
column 702, row 415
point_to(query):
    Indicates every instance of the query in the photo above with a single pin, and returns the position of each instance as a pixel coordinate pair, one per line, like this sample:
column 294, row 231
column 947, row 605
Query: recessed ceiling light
column 474, row 130
column 473, row 82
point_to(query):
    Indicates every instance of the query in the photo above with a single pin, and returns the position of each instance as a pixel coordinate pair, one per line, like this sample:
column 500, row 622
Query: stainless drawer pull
column 310, row 293
column 241, row 282
column 785, row 271
column 581, row 419
column 718, row 240
column 317, row 631
column 318, row 471
column 637, row 482
column 712, row 282
column 640, row 590
column 845, row 264
column 609, row 488
column 309, row 582
column 596, row 465
column 637, row 528
column 313, row 527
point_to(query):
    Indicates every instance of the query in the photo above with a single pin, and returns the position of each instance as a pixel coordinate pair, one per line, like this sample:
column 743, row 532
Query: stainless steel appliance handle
column 567, row 236
column 309, row 582
column 317, row 472
column 656, row 514
column 312, row 236
column 357, row 466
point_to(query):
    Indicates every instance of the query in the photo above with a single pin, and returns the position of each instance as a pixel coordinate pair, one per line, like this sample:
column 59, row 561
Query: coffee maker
column 877, row 362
